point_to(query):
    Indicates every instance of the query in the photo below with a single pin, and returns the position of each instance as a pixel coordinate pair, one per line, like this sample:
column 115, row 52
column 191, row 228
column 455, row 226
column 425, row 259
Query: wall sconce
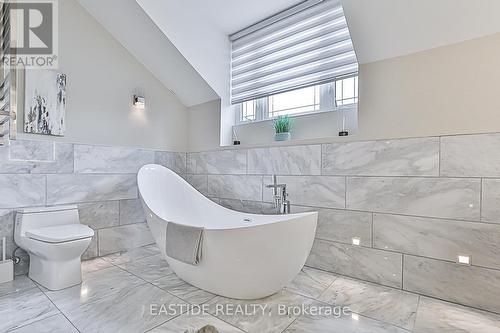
column 139, row 102
column 356, row 241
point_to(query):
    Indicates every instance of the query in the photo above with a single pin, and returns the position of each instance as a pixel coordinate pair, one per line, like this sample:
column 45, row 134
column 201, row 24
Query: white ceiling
column 380, row 29
column 232, row 15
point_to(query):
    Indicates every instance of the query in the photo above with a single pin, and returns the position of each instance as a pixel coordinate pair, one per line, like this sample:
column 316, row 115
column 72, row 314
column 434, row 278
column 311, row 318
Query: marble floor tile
column 182, row 289
column 311, row 282
column 23, row 308
column 95, row 286
column 259, row 316
column 125, row 310
column 149, row 268
column 54, row 324
column 434, row 316
column 20, row 283
column 95, row 264
column 132, row 255
column 346, row 324
column 191, row 324
column 390, row 305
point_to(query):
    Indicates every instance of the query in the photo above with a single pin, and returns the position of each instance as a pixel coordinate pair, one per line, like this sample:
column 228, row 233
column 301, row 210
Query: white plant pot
column 287, row 136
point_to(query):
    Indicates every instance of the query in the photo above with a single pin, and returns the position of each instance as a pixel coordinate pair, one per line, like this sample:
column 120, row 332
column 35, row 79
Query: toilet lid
column 60, row 233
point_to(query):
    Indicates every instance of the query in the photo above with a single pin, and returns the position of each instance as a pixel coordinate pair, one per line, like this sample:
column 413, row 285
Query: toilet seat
column 60, row 233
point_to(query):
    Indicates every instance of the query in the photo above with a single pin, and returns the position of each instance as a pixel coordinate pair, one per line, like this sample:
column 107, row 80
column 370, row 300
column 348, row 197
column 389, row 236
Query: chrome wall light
column 139, row 102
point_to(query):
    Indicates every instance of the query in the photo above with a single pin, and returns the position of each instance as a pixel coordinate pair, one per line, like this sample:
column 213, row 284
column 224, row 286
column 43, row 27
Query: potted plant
column 282, row 126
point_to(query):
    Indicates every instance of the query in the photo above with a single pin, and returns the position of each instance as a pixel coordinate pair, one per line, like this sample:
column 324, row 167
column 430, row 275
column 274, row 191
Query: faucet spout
column 281, row 202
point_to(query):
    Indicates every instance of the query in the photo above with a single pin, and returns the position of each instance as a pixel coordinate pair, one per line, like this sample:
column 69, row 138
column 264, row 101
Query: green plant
column 282, row 124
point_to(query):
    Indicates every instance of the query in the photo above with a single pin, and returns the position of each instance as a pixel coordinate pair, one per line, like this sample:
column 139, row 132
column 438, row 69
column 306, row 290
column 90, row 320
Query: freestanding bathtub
column 244, row 256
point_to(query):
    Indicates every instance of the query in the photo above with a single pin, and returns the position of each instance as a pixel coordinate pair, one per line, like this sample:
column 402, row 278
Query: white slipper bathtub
column 244, row 256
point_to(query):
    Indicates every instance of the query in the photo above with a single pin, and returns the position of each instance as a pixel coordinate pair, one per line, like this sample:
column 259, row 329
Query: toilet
column 55, row 241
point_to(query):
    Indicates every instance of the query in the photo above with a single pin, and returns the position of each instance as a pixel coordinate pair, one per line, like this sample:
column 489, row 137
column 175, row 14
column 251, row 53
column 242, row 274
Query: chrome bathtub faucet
column 281, row 202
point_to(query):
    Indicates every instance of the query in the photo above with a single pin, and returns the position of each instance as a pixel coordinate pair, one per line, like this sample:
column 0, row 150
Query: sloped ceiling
column 133, row 28
column 380, row 29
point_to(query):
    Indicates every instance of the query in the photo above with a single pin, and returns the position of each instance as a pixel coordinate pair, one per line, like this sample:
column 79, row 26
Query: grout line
column 60, row 312
column 439, row 157
column 444, row 261
column 481, row 200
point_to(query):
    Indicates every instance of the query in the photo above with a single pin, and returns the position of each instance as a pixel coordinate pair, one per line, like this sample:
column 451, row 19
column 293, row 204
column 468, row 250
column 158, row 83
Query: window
column 346, row 91
column 319, row 98
column 304, row 46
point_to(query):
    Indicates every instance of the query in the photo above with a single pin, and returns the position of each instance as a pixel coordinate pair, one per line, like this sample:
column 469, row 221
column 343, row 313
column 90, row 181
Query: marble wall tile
column 131, row 211
column 470, row 155
column 235, row 187
column 407, row 157
column 62, row 189
column 440, row 239
column 363, row 263
column 225, row 162
column 62, row 162
column 7, row 229
column 172, row 160
column 191, row 160
column 93, row 250
column 297, row 160
column 245, row 206
column 342, row 225
column 433, row 197
column 22, row 191
column 467, row 285
column 490, row 211
column 124, row 238
column 315, row 191
column 199, row 182
column 103, row 159
column 434, row 316
column 100, row 214
column 30, row 150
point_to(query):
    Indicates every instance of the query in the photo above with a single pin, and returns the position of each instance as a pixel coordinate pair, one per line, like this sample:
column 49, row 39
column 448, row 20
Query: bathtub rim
column 290, row 217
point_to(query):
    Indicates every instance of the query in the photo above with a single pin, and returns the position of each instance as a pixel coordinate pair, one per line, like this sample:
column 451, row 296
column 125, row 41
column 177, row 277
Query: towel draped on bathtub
column 184, row 243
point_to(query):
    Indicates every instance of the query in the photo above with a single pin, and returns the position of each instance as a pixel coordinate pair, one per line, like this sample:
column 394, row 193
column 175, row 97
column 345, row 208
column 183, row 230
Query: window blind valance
column 307, row 45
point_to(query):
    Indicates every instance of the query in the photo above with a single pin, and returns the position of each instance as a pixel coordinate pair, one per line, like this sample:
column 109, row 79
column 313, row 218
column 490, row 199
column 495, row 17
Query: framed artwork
column 45, row 102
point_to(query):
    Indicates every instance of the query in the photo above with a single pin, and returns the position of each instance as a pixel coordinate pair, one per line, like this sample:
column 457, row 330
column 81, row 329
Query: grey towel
column 184, row 243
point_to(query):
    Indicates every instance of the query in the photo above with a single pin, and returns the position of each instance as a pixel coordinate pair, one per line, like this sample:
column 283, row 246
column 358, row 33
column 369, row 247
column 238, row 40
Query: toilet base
column 55, row 275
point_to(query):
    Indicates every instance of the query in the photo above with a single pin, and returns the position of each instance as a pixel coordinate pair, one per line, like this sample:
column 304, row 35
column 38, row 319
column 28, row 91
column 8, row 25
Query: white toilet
column 54, row 240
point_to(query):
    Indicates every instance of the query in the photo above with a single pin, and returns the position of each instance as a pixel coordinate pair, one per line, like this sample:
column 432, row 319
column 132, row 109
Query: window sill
column 321, row 125
column 299, row 115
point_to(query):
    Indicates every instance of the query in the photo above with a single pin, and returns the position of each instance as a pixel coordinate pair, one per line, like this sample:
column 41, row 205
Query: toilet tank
column 30, row 218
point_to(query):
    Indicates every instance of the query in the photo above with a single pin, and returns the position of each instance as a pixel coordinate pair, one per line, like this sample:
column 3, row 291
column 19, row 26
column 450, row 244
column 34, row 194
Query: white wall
column 204, row 122
column 102, row 77
column 203, row 44
column 448, row 90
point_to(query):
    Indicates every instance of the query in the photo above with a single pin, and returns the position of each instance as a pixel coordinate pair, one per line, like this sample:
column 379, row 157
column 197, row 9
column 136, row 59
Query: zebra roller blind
column 306, row 45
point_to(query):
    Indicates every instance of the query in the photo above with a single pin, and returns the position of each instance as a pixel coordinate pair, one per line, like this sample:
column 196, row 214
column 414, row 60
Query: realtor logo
column 33, row 40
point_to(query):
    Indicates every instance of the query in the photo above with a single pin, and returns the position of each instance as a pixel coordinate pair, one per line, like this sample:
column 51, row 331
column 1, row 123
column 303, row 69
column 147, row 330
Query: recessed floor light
column 464, row 259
